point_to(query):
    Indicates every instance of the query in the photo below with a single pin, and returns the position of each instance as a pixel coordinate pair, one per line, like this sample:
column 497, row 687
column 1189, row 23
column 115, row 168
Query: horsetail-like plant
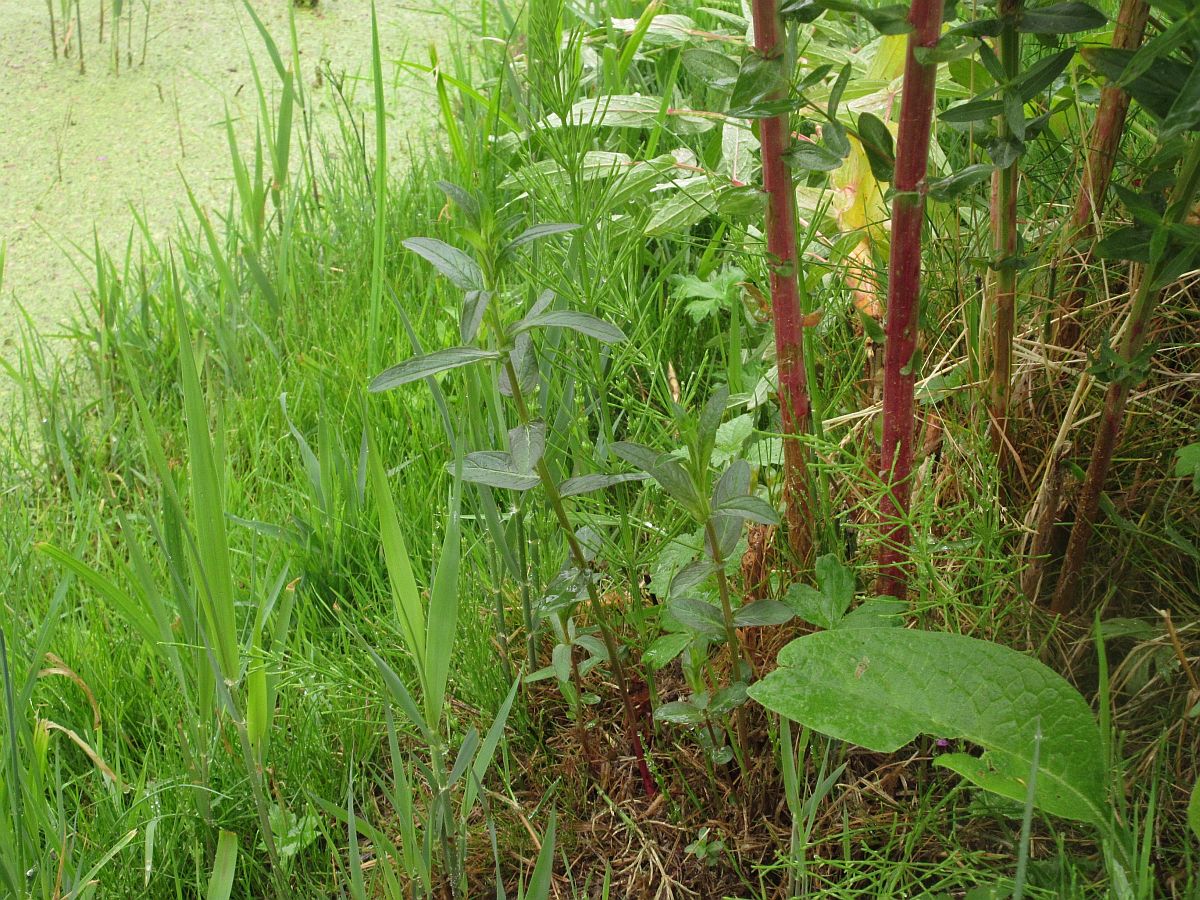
column 904, row 295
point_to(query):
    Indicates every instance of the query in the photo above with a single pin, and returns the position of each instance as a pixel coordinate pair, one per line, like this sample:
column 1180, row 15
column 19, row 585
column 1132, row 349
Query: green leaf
column 750, row 507
column 585, row 484
column 1187, row 464
column 664, row 649
column 971, row 111
column 443, row 615
column 710, row 66
column 585, row 324
column 1193, row 810
column 1156, row 88
column 537, row 232
column 456, row 265
column 694, row 202
column 877, row 612
column 475, row 304
column 679, row 712
column 810, row 157
column 496, row 469
column 220, row 882
column 950, row 187
column 825, row 605
column 1184, row 114
column 541, row 881
column 881, row 687
column 1060, row 18
column 1041, row 74
column 698, row 615
column 763, row 612
column 527, row 444
column 835, row 93
column 759, row 80
column 879, row 146
column 418, row 367
column 406, row 598
column 670, row 475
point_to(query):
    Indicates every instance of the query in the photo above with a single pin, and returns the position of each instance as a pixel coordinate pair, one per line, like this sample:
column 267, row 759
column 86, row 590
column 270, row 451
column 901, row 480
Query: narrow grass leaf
column 220, row 883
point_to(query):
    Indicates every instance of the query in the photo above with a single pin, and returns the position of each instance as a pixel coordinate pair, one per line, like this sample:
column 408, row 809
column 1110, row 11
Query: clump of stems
column 1141, row 312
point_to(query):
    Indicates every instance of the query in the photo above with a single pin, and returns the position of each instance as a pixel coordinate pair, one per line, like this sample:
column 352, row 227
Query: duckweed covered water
column 79, row 152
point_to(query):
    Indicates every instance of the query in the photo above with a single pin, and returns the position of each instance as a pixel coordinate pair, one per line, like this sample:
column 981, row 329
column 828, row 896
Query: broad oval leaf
column 679, row 712
column 664, row 649
column 698, row 615
column 882, row 687
column 450, row 261
column 419, row 367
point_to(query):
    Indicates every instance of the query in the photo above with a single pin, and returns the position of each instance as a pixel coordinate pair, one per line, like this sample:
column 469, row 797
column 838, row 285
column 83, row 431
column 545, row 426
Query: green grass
column 284, row 303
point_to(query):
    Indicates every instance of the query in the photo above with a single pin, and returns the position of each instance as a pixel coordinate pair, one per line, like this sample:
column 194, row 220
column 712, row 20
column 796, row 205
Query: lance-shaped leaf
column 475, row 304
column 536, row 232
column 496, row 469
column 526, row 445
column 882, row 687
column 585, row 324
column 1061, row 18
column 585, row 484
column 668, row 472
column 749, row 507
column 450, row 261
column 763, row 612
column 418, row 367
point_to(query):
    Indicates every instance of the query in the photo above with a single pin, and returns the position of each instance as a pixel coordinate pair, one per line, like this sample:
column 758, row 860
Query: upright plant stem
column 1111, row 419
column 1103, row 143
column 579, row 558
column 903, row 298
column 53, row 29
column 775, row 136
column 1004, row 239
column 731, row 636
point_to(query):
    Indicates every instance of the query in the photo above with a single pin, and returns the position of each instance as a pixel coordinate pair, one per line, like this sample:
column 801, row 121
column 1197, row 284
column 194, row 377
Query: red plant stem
column 1005, row 183
column 1112, row 418
column 903, row 297
column 1103, row 143
column 774, row 138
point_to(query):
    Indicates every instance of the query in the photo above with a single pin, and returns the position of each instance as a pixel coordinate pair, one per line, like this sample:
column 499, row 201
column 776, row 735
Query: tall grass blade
column 220, row 882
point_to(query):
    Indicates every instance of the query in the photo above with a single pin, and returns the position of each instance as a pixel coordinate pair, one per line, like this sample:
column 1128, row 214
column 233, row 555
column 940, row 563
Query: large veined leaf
column 881, row 687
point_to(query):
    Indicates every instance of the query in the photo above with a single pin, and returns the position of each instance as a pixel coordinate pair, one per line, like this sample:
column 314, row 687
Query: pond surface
column 78, row 151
